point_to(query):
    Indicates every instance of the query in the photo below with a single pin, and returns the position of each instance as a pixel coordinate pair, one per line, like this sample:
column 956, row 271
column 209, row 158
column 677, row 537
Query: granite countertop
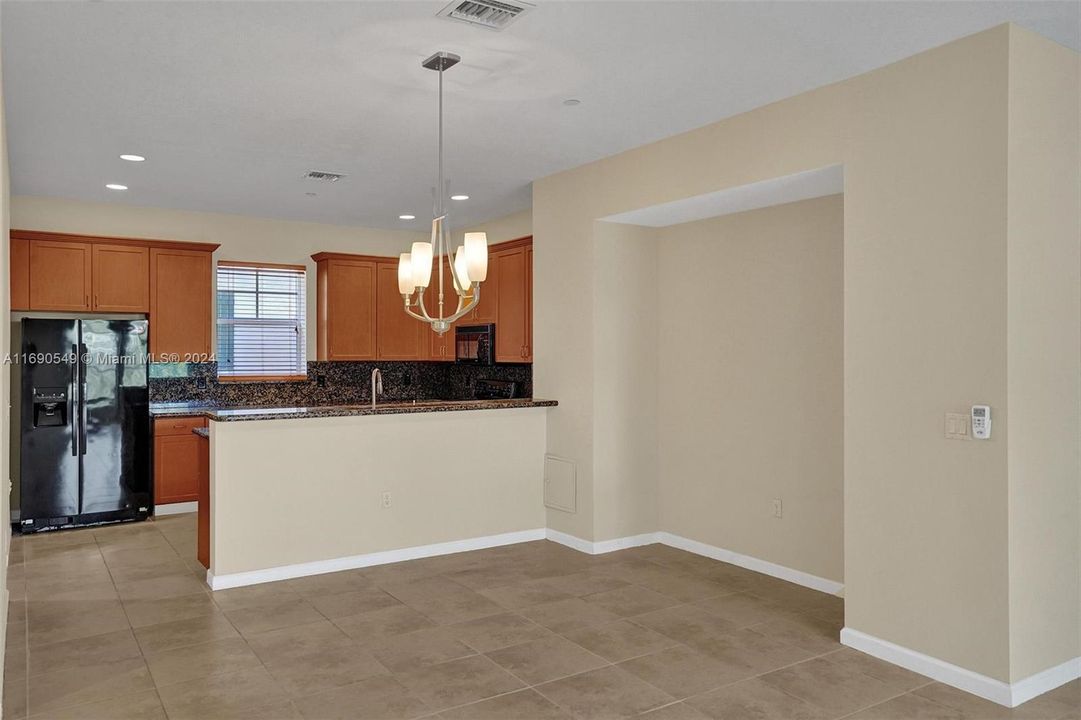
column 202, row 432
column 232, row 414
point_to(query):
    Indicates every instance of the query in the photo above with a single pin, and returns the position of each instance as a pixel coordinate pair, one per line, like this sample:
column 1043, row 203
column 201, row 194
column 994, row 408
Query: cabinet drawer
column 177, row 425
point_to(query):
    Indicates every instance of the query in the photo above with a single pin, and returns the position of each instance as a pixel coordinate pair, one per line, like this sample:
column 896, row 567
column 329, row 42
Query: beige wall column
column 1043, row 224
column 5, row 376
column 626, row 385
column 934, row 287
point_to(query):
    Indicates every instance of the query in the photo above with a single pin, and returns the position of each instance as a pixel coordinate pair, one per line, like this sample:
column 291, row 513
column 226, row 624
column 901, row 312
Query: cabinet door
column 487, row 310
column 176, row 468
column 441, row 347
column 202, row 542
column 180, row 302
column 20, row 274
column 59, row 275
column 121, row 278
column 399, row 336
column 512, row 305
column 348, row 310
column 529, row 304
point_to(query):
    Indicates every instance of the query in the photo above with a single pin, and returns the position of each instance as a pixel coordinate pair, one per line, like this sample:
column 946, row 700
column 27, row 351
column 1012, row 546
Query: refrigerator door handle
column 73, row 400
column 82, row 401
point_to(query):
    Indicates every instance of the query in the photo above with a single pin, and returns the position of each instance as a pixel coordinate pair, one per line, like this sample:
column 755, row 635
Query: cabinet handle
column 86, row 301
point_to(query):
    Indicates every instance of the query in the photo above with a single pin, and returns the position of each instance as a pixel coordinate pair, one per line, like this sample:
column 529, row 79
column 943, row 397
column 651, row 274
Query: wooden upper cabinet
column 121, row 278
column 487, row 310
column 20, row 274
column 83, row 273
column 529, row 304
column 441, row 347
column 60, row 276
column 398, row 336
column 346, row 307
column 512, row 319
column 181, row 284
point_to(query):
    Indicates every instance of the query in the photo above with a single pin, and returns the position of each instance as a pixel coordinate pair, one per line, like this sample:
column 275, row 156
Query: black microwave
column 475, row 344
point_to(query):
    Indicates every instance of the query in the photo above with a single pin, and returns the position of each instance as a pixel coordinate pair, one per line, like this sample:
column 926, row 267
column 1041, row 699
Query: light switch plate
column 956, row 426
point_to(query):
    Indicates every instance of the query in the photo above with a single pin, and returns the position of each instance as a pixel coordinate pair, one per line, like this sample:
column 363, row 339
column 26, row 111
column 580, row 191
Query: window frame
column 301, row 323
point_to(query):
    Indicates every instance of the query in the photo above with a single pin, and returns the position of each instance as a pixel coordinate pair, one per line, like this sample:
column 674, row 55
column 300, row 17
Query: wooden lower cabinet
column 177, row 459
column 202, row 543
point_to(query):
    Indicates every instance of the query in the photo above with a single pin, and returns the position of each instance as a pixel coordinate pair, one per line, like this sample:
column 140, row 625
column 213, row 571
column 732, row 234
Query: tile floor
column 116, row 623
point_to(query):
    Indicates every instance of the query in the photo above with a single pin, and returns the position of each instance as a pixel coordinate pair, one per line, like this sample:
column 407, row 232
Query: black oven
column 475, row 344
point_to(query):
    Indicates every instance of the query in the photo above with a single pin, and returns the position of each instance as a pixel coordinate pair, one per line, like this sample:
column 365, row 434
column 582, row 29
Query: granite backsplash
column 344, row 383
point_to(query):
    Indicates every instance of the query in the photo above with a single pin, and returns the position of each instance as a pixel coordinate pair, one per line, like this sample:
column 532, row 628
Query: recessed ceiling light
column 459, row 197
column 571, row 102
column 132, row 158
column 407, row 217
column 116, row 186
column 310, row 194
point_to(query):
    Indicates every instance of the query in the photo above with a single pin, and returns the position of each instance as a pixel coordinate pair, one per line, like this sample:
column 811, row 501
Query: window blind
column 260, row 320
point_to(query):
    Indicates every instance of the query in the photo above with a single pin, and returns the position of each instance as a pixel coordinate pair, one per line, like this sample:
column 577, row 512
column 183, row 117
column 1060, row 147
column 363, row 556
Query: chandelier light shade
column 421, row 260
column 476, row 255
column 405, row 274
column 468, row 264
column 461, row 268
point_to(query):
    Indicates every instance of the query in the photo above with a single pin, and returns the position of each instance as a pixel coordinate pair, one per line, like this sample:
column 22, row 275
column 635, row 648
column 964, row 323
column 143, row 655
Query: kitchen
column 360, row 330
column 404, row 360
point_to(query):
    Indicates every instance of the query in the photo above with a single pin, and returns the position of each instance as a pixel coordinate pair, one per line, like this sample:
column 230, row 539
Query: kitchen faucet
column 377, row 385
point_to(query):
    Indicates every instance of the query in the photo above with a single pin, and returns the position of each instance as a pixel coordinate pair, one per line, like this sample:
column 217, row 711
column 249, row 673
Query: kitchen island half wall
column 295, row 497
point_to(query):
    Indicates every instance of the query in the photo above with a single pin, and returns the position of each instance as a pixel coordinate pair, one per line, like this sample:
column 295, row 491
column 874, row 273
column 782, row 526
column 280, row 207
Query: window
column 260, row 320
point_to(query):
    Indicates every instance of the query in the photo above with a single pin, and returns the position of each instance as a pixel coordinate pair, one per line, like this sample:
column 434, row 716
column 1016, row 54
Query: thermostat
column 981, row 422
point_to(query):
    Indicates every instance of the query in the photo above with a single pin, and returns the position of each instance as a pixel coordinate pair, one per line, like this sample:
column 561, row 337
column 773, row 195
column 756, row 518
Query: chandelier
column 469, row 264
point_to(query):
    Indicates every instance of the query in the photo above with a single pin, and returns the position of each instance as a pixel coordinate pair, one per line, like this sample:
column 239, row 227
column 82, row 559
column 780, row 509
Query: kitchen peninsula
column 306, row 490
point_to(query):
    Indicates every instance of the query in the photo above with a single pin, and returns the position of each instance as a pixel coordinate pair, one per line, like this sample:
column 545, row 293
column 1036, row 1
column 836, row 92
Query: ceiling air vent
column 491, row 14
column 323, row 176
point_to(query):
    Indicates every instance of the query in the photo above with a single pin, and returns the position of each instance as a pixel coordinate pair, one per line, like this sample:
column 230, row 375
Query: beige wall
column 1043, row 221
column 924, row 145
column 751, row 383
column 508, row 227
column 299, row 491
column 5, row 377
column 241, row 237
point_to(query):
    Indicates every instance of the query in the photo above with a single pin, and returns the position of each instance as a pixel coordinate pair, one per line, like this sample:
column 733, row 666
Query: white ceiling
column 232, row 102
column 804, row 185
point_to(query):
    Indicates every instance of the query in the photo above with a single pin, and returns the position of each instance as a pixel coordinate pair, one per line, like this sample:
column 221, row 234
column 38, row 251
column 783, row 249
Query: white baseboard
column 1007, row 694
column 602, row 547
column 319, row 567
column 1045, row 681
column 176, row 508
column 699, row 548
column 752, row 563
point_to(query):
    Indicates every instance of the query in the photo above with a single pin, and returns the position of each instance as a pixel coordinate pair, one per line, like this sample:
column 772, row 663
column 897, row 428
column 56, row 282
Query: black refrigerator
column 85, row 450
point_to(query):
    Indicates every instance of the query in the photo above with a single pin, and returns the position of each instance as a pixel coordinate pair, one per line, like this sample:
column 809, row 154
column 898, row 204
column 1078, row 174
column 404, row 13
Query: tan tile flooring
column 116, row 623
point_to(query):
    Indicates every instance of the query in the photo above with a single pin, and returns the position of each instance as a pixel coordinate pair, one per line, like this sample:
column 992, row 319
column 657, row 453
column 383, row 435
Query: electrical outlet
column 386, row 500
column 777, row 508
column 200, row 383
column 321, row 380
